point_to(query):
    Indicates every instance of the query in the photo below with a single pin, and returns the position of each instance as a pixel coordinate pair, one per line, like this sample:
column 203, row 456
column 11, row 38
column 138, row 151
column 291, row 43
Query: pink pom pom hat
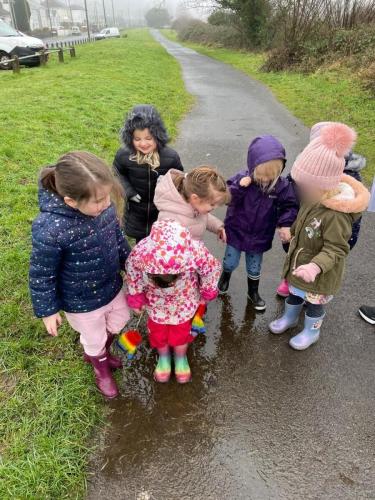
column 321, row 164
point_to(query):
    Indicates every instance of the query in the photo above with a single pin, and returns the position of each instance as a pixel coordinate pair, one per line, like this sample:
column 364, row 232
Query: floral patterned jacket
column 170, row 250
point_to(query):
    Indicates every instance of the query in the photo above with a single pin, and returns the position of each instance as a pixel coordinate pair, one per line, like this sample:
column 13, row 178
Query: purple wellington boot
column 114, row 361
column 103, row 376
column 288, row 320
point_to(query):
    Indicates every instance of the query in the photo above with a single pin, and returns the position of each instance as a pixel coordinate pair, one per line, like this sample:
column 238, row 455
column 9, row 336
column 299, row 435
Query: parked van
column 14, row 43
column 76, row 31
column 108, row 33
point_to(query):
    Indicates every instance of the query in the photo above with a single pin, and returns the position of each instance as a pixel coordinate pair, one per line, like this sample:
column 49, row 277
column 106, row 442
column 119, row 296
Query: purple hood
column 254, row 214
column 262, row 149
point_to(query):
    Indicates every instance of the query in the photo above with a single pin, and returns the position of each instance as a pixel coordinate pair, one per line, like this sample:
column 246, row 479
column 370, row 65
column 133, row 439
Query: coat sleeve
column 237, row 192
column 214, row 224
column 123, row 247
column 45, row 261
column 177, row 163
column 134, row 275
column 336, row 231
column 208, row 269
column 121, row 171
column 288, row 206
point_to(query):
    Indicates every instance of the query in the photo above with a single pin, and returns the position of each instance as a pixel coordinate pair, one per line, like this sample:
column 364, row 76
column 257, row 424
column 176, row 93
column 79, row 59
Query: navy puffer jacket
column 76, row 259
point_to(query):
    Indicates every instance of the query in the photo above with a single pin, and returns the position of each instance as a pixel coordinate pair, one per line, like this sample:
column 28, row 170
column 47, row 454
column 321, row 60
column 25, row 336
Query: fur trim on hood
column 354, row 162
column 349, row 204
column 141, row 117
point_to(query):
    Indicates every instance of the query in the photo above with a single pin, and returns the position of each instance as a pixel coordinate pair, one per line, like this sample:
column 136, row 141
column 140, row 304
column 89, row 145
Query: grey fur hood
column 141, row 117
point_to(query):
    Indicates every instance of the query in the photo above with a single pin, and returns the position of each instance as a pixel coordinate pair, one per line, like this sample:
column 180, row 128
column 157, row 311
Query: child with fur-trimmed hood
column 330, row 202
column 142, row 159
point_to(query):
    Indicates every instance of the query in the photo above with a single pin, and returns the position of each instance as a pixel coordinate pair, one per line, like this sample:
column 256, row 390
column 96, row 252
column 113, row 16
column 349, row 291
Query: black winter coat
column 141, row 180
column 76, row 260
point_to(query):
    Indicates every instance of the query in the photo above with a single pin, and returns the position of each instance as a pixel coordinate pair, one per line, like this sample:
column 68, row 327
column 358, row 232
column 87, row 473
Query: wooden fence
column 58, row 47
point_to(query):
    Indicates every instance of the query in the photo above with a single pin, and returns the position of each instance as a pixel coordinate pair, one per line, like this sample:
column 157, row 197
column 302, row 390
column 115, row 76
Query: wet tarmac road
column 259, row 420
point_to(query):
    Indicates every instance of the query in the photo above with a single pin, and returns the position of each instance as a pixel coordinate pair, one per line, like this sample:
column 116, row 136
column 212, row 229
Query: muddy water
column 258, row 421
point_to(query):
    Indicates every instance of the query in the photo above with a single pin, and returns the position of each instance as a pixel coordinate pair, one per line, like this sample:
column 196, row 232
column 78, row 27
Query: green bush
column 207, row 34
column 354, row 48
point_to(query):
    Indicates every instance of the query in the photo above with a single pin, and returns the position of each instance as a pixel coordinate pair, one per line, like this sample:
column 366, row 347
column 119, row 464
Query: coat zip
column 296, row 257
column 97, row 232
column 148, row 203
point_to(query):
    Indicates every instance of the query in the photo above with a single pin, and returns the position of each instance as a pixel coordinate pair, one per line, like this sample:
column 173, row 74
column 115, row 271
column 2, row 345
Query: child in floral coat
column 169, row 274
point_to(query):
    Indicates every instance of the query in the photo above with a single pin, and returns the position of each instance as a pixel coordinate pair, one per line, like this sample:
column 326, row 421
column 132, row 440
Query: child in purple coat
column 262, row 201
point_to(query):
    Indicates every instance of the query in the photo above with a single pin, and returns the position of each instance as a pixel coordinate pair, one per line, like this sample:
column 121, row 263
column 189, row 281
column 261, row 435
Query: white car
column 14, row 43
column 108, row 33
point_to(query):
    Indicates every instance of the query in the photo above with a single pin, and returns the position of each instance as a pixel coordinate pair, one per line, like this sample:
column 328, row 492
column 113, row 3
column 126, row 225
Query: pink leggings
column 95, row 325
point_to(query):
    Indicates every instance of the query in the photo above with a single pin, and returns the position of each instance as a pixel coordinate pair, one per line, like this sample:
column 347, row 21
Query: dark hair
column 77, row 175
column 164, row 280
column 204, row 181
column 141, row 117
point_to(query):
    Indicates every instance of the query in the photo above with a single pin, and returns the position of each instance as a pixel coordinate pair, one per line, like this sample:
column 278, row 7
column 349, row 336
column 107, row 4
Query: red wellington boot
column 114, row 361
column 103, row 376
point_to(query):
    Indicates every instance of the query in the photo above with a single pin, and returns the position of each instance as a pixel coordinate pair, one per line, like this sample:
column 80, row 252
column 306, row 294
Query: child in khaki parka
column 331, row 202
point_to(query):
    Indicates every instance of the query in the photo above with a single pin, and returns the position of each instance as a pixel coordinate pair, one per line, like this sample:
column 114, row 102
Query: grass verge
column 49, row 406
column 322, row 96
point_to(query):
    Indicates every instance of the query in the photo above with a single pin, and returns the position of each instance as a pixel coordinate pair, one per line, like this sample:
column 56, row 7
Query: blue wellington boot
column 309, row 335
column 288, row 320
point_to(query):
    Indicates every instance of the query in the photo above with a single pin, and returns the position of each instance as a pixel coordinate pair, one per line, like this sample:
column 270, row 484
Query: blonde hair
column 204, row 181
column 271, row 169
column 152, row 159
column 77, row 175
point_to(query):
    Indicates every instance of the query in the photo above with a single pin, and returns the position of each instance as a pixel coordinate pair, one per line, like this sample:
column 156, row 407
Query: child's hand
column 307, row 272
column 245, row 182
column 52, row 323
column 222, row 235
column 284, row 234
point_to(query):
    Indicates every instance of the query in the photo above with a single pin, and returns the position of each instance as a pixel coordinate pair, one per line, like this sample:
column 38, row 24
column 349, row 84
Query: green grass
column 322, row 96
column 49, row 406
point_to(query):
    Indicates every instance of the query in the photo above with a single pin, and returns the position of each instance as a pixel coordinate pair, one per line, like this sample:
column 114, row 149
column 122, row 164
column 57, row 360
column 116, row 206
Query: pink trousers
column 94, row 326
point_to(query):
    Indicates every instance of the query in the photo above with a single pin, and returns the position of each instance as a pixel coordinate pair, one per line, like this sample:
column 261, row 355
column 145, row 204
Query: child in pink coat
column 190, row 198
column 169, row 274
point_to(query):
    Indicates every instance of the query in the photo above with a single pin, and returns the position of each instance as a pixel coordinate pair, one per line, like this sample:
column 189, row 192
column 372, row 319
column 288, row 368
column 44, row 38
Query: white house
column 5, row 11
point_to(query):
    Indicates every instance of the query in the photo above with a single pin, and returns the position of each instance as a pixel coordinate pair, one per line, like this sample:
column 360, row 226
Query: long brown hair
column 204, row 181
column 77, row 175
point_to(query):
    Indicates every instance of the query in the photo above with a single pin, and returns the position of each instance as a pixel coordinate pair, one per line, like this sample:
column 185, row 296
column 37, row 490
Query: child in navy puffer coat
column 77, row 257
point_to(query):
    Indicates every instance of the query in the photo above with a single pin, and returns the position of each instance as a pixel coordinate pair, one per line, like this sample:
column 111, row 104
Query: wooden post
column 16, row 65
column 72, row 51
column 61, row 55
column 42, row 57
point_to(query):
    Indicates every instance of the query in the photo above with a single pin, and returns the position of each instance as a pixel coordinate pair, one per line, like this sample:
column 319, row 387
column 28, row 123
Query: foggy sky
column 137, row 8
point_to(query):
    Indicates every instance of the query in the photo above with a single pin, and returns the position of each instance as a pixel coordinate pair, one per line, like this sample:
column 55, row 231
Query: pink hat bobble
column 321, row 164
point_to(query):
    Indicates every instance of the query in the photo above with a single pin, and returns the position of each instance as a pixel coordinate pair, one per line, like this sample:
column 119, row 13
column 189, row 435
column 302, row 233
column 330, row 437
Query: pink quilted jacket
column 172, row 206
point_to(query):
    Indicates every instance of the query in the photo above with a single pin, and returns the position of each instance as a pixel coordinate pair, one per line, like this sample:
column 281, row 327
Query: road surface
column 259, row 421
